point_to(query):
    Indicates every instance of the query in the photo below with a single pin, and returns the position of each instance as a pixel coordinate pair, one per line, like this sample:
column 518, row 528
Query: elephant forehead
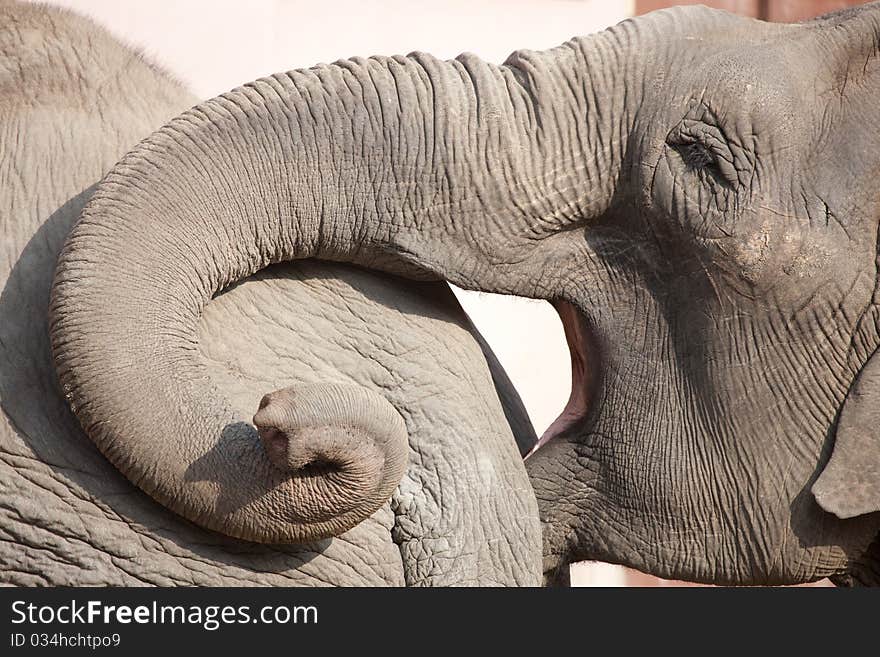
column 466, row 488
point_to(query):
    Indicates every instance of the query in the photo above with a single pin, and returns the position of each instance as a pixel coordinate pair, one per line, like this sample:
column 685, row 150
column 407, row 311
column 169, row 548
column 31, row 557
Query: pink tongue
column 579, row 399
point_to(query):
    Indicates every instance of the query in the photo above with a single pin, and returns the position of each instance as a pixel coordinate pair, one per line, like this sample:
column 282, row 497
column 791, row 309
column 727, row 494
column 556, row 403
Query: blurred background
column 215, row 45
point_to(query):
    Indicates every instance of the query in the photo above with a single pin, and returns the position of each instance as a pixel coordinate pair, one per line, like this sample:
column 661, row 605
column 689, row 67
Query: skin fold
column 694, row 191
column 451, row 504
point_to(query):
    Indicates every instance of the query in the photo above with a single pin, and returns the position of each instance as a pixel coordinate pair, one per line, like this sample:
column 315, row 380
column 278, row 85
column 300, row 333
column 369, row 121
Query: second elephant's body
column 464, row 512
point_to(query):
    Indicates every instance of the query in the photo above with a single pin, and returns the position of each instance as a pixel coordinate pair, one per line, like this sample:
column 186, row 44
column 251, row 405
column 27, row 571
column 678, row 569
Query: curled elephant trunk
column 345, row 446
column 459, row 170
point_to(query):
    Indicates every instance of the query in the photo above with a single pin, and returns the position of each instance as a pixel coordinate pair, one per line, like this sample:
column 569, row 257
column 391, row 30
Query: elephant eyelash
column 695, row 155
column 700, row 158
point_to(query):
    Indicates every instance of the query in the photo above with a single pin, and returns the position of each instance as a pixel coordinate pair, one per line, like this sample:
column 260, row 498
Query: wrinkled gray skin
column 695, row 191
column 72, row 102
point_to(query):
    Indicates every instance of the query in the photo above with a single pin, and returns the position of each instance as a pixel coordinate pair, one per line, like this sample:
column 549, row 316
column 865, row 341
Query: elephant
column 691, row 190
column 461, row 511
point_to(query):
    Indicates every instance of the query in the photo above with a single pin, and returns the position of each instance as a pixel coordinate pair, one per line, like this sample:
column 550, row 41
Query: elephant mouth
column 584, row 368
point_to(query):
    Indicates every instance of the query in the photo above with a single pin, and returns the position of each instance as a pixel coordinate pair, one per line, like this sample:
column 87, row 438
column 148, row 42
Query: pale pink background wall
column 215, row 45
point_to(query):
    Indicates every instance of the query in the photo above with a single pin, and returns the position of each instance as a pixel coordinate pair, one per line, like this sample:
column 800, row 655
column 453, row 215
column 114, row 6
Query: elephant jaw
column 584, row 362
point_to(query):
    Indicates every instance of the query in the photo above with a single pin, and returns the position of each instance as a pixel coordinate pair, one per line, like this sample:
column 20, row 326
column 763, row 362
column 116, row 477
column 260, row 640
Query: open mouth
column 584, row 367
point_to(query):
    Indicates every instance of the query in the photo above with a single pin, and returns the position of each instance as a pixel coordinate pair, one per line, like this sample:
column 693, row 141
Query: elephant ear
column 849, row 485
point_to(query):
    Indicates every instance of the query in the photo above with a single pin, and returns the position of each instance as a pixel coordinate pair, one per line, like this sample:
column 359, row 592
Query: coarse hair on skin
column 34, row 37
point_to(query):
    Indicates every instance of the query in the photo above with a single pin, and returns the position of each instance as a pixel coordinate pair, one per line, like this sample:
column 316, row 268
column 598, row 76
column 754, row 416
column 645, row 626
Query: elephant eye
column 695, row 155
column 706, row 153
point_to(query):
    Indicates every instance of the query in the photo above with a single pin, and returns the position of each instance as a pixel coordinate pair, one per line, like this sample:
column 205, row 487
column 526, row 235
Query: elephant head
column 723, row 318
column 691, row 190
